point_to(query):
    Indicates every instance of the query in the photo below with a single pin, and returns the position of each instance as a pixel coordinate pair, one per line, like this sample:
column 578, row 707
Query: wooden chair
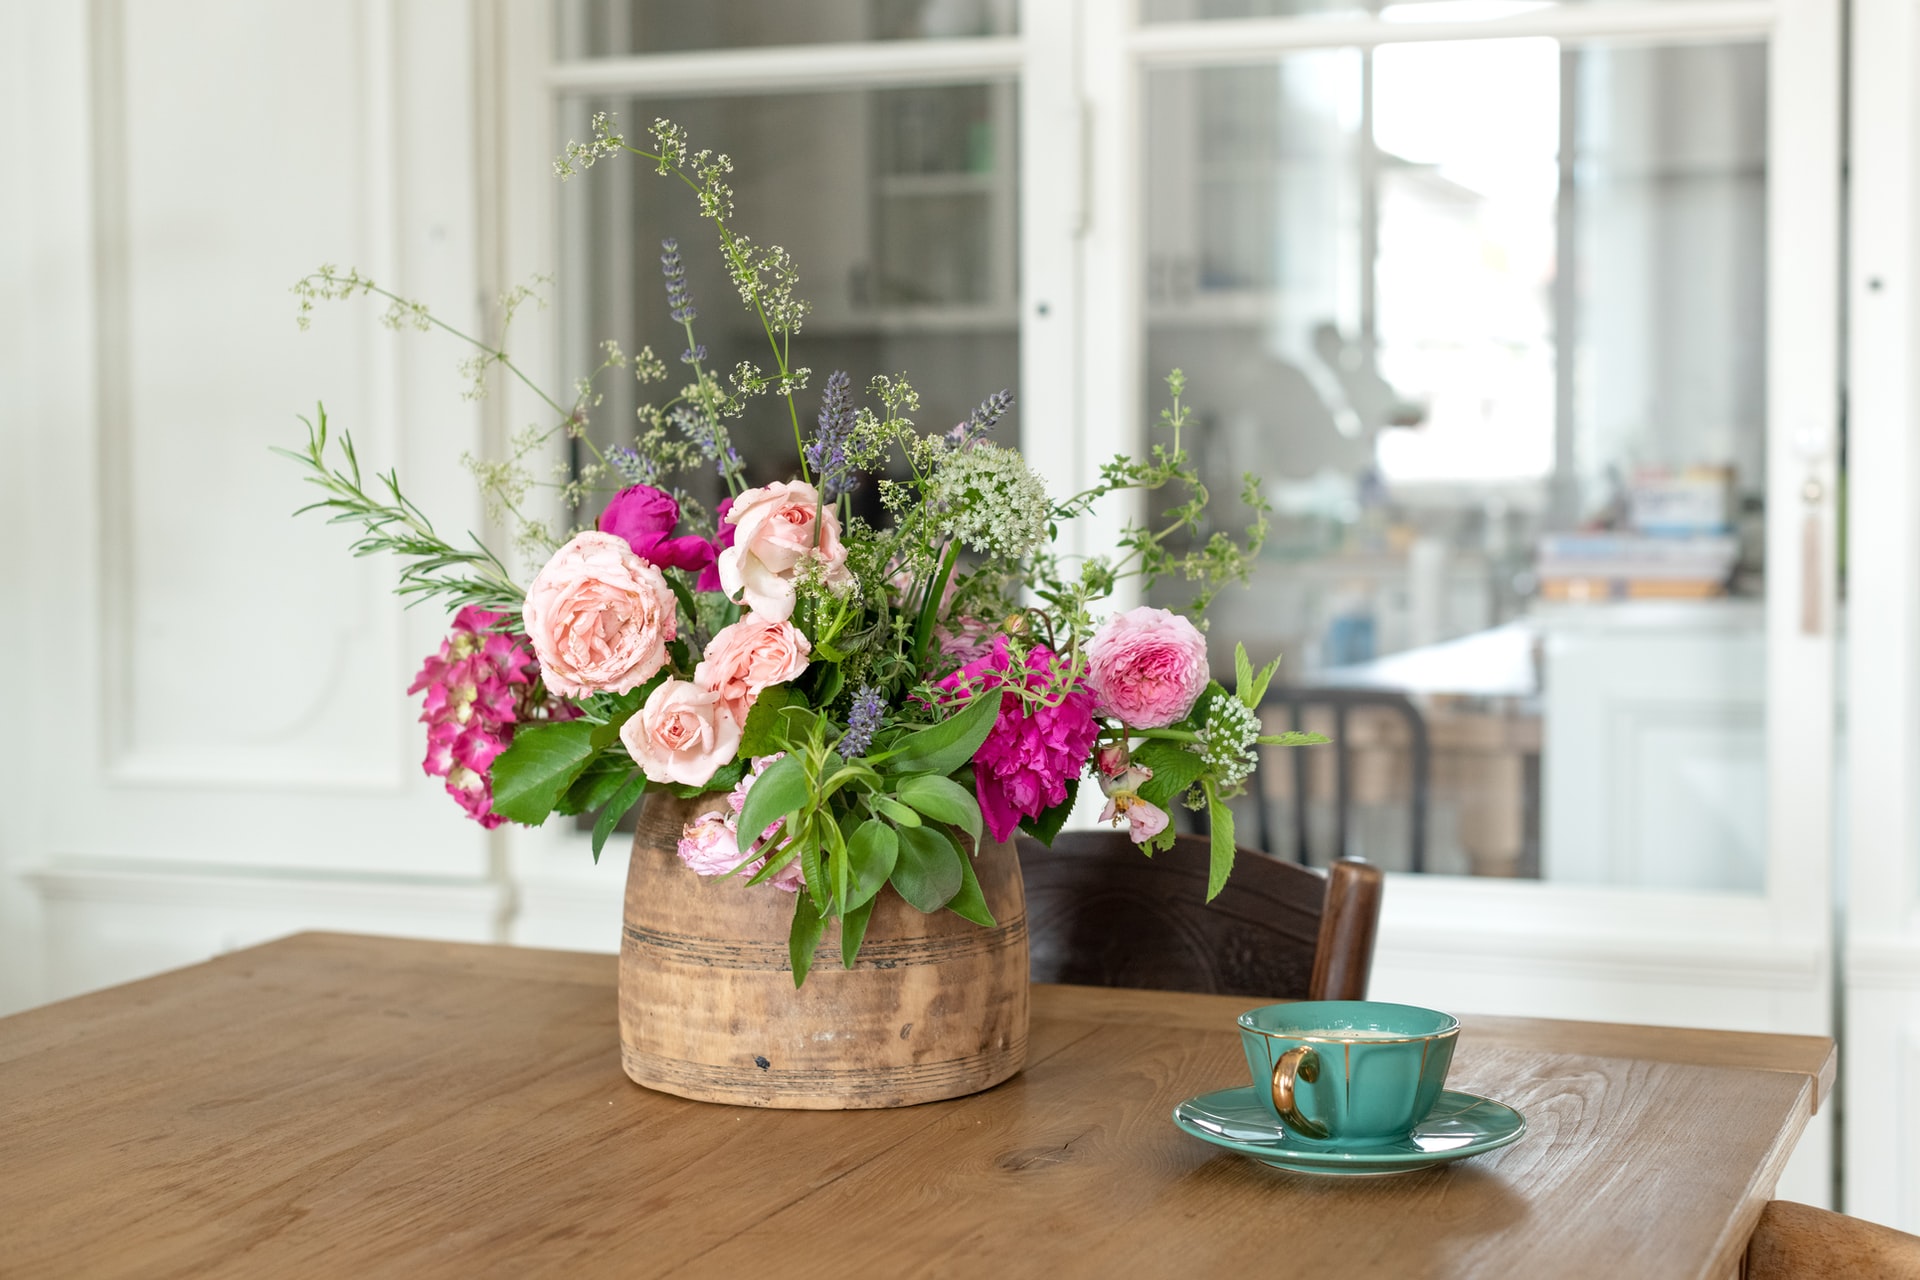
column 1099, row 913
column 1800, row 1242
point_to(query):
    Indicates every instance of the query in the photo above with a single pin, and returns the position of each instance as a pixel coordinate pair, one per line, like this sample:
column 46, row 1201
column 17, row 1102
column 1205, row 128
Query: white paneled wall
column 210, row 743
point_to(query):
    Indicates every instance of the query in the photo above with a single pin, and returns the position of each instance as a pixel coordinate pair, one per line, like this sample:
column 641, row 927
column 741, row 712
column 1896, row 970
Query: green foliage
column 1220, row 853
column 616, row 809
column 1047, row 824
column 928, row 873
column 946, row 746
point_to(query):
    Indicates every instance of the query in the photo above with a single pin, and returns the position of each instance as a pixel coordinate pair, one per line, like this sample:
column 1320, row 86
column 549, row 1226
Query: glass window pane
column 1489, row 318
column 618, row 28
column 1386, row 10
column 896, row 205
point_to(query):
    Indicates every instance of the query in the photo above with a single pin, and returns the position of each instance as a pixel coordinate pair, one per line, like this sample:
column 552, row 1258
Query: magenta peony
column 682, row 734
column 1024, row 766
column 775, row 534
column 599, row 617
column 746, row 657
column 644, row 516
column 1146, row 667
column 478, row 687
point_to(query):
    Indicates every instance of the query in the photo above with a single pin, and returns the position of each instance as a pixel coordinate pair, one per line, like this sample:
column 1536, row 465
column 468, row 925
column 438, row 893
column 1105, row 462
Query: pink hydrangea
column 1146, row 666
column 1034, row 749
column 480, row 684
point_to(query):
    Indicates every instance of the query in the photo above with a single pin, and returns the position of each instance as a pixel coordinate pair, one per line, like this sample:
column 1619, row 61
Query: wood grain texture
column 1099, row 914
column 1800, row 1242
column 327, row 1106
column 934, row 1007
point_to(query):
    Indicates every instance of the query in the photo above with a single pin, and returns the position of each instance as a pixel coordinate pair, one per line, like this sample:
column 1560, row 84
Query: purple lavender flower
column 678, row 298
column 981, row 420
column 863, row 721
column 827, row 454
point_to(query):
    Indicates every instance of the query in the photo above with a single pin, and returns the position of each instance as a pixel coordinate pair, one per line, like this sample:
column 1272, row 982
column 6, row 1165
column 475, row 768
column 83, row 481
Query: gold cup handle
column 1304, row 1063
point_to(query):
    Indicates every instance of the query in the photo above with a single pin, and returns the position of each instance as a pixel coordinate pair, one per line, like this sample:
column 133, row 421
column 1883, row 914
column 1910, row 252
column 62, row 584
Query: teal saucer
column 1460, row 1125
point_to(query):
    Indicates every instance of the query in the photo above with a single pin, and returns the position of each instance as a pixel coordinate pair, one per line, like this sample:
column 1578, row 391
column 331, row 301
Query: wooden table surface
column 343, row 1106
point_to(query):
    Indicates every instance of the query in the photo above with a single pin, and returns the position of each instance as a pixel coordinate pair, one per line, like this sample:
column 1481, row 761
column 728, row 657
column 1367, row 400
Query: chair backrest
column 1099, row 913
column 1799, row 1242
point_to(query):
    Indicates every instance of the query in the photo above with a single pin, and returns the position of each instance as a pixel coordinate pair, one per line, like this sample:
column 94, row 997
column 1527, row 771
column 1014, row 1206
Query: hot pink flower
column 1024, row 766
column 709, row 579
column 644, row 516
column 478, row 687
column 682, row 734
column 599, row 617
column 775, row 534
column 746, row 657
column 1147, row 666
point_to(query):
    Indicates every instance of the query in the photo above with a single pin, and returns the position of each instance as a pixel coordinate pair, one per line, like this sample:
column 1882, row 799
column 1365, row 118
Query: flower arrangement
column 873, row 698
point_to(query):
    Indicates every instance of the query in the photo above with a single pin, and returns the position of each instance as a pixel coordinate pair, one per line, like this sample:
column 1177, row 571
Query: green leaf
column 808, row 925
column 853, row 931
column 724, row 778
column 928, row 872
column 781, row 790
column 1292, row 738
column 1045, row 825
column 827, row 687
column 944, row 747
column 766, row 730
column 970, row 903
column 1242, row 672
column 616, row 809
column 941, row 799
column 1174, row 770
column 1254, row 693
column 901, row 815
column 1220, row 863
column 605, row 774
column 871, row 855
column 538, row 765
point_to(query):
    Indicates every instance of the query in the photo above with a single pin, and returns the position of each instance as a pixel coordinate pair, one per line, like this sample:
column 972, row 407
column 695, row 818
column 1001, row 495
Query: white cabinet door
column 207, row 739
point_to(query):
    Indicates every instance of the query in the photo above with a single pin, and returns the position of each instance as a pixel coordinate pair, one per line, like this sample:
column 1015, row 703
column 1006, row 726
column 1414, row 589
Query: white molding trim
column 784, row 68
column 1226, row 42
column 171, row 884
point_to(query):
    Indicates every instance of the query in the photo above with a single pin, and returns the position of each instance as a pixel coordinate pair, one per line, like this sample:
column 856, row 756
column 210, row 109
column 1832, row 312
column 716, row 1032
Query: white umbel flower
column 990, row 499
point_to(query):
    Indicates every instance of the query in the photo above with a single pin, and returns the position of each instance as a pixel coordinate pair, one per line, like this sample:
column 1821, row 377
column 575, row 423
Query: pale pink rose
column 599, row 617
column 746, row 657
column 774, row 535
column 682, row 734
column 1146, row 667
column 707, row 845
column 792, row 877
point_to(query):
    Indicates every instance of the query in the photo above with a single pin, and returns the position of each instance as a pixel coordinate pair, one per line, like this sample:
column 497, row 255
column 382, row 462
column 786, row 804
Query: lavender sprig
column 679, row 298
column 981, row 420
column 863, row 721
column 827, row 454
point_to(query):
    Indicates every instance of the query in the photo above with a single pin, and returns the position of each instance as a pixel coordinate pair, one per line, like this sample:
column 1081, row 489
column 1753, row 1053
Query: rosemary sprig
column 433, row 567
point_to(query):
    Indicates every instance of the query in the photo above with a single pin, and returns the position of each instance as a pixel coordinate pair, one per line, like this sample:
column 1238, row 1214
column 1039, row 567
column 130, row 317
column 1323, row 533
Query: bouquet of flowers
column 874, row 698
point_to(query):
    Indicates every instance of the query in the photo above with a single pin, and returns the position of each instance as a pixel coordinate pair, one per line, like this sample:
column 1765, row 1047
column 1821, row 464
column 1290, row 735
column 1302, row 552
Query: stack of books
column 1635, row 566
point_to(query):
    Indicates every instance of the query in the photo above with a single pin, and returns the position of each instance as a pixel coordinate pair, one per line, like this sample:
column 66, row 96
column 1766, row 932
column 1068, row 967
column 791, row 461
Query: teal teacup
column 1348, row 1072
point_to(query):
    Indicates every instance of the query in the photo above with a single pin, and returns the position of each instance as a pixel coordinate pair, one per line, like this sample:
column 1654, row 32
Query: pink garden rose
column 599, row 617
column 1023, row 768
column 644, row 516
column 746, row 657
column 775, row 534
column 708, row 845
column 682, row 734
column 1146, row 667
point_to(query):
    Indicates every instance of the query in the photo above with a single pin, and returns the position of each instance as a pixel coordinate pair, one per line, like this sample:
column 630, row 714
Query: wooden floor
column 337, row 1106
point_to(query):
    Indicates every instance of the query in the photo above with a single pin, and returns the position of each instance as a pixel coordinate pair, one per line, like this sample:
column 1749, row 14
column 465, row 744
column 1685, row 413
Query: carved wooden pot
column 934, row 1007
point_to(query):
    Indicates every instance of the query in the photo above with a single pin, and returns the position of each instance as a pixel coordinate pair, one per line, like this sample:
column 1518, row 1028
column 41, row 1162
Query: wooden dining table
column 334, row 1105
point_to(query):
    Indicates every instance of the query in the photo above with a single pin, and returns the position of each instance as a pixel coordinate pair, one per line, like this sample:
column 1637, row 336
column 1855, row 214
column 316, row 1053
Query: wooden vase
column 934, row 1007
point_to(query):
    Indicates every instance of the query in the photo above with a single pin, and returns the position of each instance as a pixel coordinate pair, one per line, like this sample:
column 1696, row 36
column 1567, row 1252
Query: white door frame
column 1880, row 1064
